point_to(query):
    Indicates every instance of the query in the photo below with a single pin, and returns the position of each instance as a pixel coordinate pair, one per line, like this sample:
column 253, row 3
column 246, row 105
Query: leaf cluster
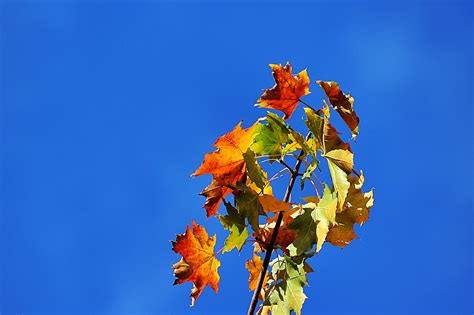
column 251, row 212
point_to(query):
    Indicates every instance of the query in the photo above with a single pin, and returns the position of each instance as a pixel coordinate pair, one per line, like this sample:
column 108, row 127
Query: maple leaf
column 234, row 222
column 198, row 264
column 337, row 153
column 343, row 104
column 228, row 158
column 287, row 295
column 340, row 182
column 272, row 204
column 267, row 188
column 304, row 229
column 218, row 190
column 248, row 205
column 287, row 91
column 285, row 236
column 307, row 173
column 315, row 124
column 271, row 138
column 226, row 164
column 254, row 266
column 356, row 210
column 254, row 171
column 313, row 226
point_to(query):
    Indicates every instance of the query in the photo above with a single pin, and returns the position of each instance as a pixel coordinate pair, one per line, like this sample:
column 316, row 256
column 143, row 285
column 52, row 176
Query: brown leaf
column 342, row 103
column 287, row 91
column 199, row 264
column 285, row 236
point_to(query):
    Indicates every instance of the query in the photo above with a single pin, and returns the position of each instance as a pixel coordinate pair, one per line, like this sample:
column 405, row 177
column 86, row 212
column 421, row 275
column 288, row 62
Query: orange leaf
column 226, row 165
column 285, row 236
column 217, row 191
column 342, row 103
column 227, row 159
column 199, row 264
column 342, row 233
column 254, row 267
column 287, row 91
column 271, row 204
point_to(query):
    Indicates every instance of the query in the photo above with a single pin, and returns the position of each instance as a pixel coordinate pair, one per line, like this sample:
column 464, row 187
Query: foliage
column 300, row 228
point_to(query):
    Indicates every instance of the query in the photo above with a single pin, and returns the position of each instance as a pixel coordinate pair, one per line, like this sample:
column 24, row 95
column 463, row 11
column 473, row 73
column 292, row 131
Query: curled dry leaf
column 343, row 104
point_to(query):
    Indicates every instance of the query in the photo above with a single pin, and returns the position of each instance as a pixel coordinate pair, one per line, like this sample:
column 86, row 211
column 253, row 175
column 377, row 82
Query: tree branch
column 271, row 245
column 286, row 165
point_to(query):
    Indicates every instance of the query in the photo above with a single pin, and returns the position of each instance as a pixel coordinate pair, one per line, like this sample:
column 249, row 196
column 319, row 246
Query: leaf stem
column 307, row 105
column 268, row 253
column 278, row 174
column 315, row 187
column 319, row 180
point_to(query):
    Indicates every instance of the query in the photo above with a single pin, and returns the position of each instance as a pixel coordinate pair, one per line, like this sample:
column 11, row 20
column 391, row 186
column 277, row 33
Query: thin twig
column 277, row 156
column 278, row 174
column 315, row 187
column 319, row 180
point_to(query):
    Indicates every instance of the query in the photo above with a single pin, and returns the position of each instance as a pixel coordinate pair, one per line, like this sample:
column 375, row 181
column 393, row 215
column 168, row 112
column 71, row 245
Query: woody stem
column 271, row 245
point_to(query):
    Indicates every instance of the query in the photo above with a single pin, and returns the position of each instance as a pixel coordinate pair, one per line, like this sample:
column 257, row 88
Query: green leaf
column 235, row 239
column 307, row 173
column 313, row 225
column 232, row 218
column 298, row 141
column 279, row 126
column 254, row 171
column 265, row 142
column 235, row 223
column 305, row 228
column 315, row 124
column 325, row 214
column 340, row 181
column 288, row 295
column 271, row 137
column 248, row 205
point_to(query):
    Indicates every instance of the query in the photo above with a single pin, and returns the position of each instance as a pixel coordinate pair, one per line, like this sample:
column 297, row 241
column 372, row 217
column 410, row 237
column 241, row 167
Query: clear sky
column 108, row 107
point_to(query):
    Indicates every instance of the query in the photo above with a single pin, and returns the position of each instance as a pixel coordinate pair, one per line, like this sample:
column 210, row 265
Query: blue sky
column 108, row 107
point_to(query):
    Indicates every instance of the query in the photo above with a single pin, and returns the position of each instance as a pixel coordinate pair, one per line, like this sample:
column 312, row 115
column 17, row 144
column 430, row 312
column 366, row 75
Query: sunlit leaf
column 343, row 104
column 234, row 222
column 288, row 295
column 199, row 264
column 226, row 165
column 287, row 91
